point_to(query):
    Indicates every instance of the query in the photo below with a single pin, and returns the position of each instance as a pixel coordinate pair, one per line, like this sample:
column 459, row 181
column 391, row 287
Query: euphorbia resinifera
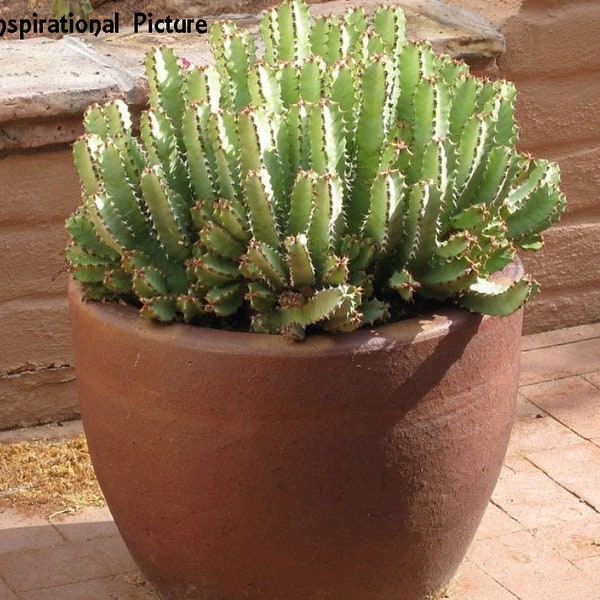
column 345, row 176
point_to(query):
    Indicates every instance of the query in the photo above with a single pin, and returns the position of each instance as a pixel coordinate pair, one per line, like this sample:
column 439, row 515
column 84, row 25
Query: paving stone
column 496, row 522
column 590, row 569
column 29, row 570
column 531, row 571
column 5, row 593
column 574, row 540
column 20, row 530
column 130, row 586
column 530, row 497
column 568, row 335
column 534, row 429
column 109, row 588
column 593, row 378
column 51, row 431
column 546, row 364
column 86, row 524
column 576, row 468
column 524, row 409
column 573, row 401
column 472, row 583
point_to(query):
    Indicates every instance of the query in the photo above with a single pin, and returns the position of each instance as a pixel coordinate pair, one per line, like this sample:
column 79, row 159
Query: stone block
column 32, row 93
column 85, row 525
column 35, row 333
column 573, row 401
column 38, row 188
column 20, row 531
column 557, row 111
column 32, row 263
column 530, row 570
column 473, row 583
column 545, row 39
column 535, row 430
column 530, row 497
column 557, row 337
column 568, row 360
column 5, row 593
column 573, row 468
column 38, row 396
column 574, row 540
column 26, row 571
column 570, row 286
column 565, row 307
column 580, row 178
column 566, row 258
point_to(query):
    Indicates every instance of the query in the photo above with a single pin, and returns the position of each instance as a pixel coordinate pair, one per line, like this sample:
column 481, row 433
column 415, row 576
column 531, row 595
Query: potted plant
column 351, row 187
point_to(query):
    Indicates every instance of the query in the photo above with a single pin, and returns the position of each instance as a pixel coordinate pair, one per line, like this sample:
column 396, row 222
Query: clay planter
column 347, row 467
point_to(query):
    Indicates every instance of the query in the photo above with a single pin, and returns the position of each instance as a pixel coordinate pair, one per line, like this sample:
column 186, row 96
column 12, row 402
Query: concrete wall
column 553, row 56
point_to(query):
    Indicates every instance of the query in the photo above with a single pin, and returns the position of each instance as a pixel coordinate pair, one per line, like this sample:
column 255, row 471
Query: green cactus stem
column 344, row 177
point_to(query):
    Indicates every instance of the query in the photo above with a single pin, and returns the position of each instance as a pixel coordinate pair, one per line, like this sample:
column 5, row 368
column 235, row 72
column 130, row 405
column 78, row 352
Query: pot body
column 346, row 467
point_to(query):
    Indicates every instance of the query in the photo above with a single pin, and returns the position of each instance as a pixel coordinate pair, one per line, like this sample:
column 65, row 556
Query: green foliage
column 79, row 8
column 346, row 177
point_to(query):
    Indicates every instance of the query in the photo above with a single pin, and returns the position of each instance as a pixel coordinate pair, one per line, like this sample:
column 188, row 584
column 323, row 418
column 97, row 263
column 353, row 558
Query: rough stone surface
column 34, row 331
column 39, row 190
column 580, row 180
column 30, row 88
column 570, row 284
column 496, row 11
column 39, row 114
column 64, row 564
column 540, row 32
column 202, row 8
column 37, row 260
column 38, row 108
column 40, row 395
column 559, row 109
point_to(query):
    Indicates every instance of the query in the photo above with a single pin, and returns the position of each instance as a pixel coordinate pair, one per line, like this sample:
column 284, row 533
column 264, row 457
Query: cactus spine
column 342, row 178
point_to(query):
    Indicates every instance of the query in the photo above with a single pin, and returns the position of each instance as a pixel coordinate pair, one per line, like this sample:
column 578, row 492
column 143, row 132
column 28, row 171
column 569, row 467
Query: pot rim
column 436, row 324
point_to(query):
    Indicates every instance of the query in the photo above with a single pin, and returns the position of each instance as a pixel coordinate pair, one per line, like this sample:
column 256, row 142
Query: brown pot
column 346, row 467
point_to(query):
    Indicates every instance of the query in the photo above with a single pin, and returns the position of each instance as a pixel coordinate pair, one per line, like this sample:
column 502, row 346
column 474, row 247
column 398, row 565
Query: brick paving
column 539, row 539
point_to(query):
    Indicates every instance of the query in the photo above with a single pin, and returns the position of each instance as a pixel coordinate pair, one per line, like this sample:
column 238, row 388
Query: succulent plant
column 79, row 8
column 346, row 176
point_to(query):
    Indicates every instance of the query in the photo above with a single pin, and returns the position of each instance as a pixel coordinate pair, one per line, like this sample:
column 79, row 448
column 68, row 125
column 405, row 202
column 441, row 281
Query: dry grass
column 55, row 474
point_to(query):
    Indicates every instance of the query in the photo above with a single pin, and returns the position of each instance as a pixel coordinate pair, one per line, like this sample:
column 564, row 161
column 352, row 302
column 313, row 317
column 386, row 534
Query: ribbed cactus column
column 346, row 176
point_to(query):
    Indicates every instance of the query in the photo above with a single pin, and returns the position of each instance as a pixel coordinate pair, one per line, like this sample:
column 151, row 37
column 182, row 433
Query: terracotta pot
column 346, row 467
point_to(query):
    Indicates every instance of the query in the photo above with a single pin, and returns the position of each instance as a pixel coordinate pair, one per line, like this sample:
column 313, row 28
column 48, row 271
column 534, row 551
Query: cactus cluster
column 344, row 177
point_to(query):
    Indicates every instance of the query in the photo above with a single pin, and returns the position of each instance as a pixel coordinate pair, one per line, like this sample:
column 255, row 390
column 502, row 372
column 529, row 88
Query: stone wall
column 44, row 87
column 39, row 189
column 553, row 56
